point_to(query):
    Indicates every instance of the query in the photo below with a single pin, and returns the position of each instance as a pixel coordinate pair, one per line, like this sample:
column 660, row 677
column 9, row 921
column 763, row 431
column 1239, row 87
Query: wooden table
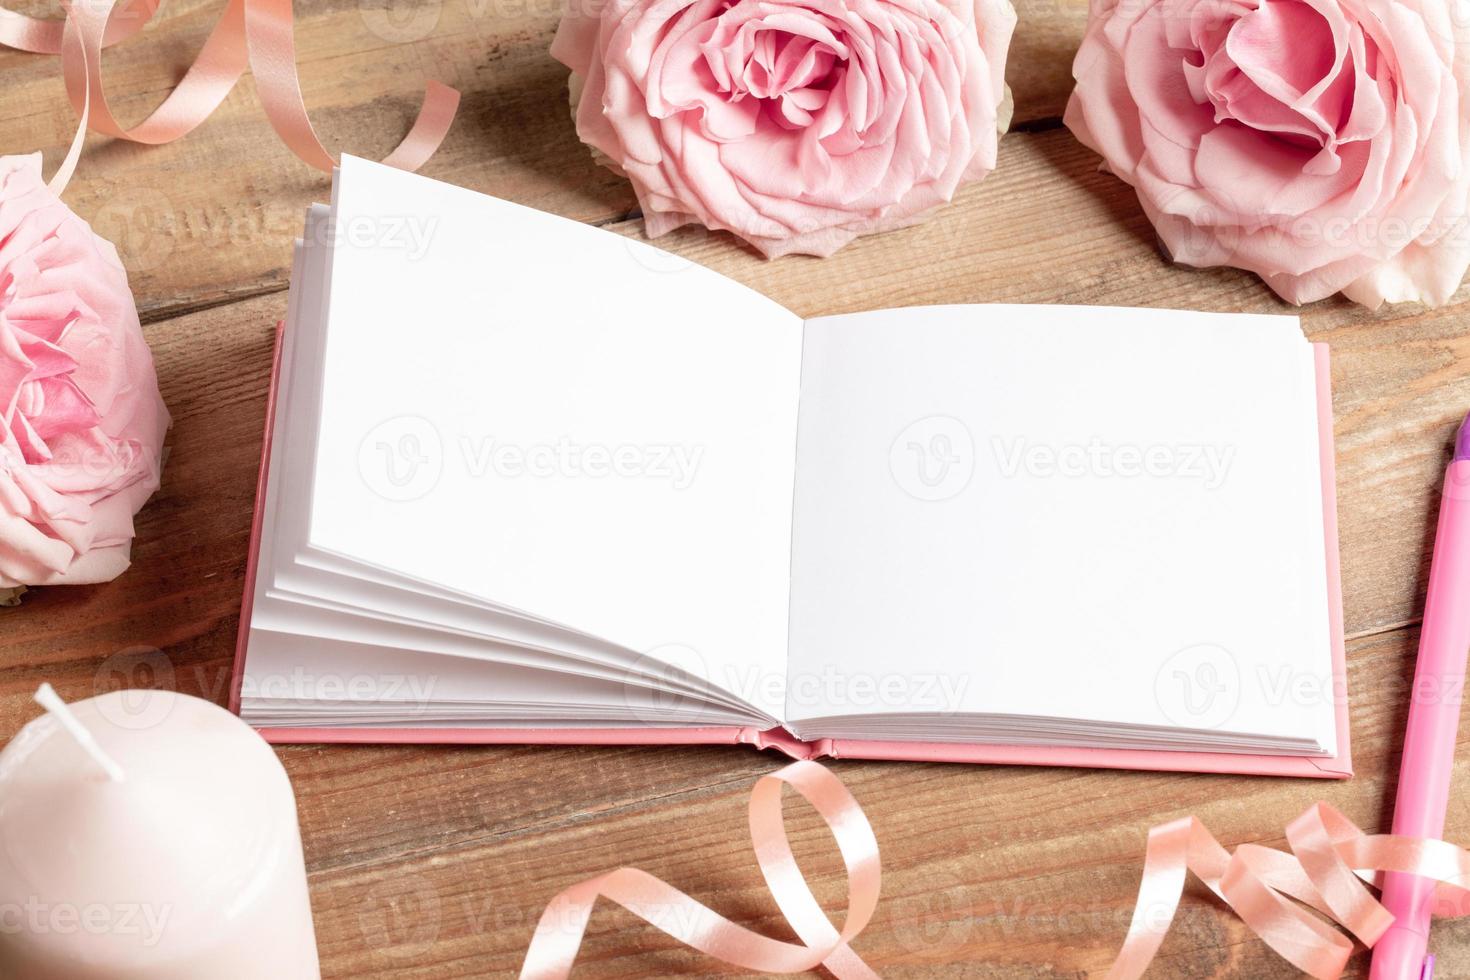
column 434, row 862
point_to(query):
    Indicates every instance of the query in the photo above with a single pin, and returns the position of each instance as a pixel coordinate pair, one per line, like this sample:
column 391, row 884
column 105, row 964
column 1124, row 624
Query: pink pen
column 1434, row 719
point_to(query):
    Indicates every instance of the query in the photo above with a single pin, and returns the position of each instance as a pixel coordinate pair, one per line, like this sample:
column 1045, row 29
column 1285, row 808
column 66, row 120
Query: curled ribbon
column 558, row 934
column 1330, row 862
column 254, row 34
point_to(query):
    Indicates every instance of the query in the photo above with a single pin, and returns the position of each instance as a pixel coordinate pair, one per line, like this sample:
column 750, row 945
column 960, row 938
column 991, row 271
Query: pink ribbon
column 1330, row 861
column 253, row 34
column 558, row 935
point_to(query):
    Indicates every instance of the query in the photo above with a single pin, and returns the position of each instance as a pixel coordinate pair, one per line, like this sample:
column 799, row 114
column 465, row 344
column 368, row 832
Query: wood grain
column 211, row 218
column 431, row 862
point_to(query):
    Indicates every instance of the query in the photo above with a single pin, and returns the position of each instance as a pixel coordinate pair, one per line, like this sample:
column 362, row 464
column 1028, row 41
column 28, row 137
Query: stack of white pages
column 528, row 480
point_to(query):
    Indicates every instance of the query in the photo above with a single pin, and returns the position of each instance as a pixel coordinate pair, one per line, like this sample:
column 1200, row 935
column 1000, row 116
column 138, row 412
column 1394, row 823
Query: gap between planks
column 166, row 311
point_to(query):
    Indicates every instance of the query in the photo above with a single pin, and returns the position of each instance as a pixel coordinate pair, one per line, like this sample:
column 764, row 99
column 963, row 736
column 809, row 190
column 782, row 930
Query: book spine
column 247, row 600
column 780, row 740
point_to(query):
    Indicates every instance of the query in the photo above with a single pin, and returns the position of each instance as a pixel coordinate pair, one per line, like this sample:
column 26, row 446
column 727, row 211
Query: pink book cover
column 1321, row 767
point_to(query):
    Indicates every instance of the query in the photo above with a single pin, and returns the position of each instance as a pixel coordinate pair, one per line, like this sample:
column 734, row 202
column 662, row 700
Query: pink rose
column 81, row 422
column 796, row 124
column 1324, row 145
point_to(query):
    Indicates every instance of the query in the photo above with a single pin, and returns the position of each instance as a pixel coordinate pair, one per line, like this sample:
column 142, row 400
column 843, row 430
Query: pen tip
column 1462, row 440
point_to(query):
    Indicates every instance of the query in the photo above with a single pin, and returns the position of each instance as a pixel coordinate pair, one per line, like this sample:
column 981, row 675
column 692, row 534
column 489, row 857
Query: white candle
column 149, row 835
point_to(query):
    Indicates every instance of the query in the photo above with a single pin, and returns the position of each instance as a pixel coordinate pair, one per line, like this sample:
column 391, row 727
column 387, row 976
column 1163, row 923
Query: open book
column 528, row 480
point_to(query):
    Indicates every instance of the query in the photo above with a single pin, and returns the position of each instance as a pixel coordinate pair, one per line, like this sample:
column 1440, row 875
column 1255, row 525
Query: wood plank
column 211, row 218
column 434, row 862
column 991, row 872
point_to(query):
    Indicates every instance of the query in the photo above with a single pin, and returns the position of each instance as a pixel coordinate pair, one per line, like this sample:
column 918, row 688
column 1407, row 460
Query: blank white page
column 562, row 421
column 1102, row 514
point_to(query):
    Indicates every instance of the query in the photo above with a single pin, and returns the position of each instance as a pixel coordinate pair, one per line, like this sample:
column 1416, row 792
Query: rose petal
column 80, row 446
column 796, row 125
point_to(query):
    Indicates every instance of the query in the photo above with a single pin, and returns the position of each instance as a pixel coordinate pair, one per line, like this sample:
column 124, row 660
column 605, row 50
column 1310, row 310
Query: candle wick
column 47, row 698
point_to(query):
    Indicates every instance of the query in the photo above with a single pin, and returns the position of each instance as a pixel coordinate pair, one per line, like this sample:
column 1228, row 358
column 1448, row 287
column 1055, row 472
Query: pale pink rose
column 796, row 124
column 81, row 422
column 1324, row 145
